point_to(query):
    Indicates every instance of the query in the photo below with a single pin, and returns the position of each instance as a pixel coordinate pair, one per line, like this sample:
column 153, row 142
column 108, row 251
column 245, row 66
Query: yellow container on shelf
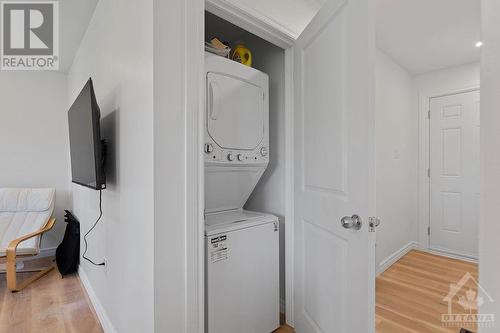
column 242, row 55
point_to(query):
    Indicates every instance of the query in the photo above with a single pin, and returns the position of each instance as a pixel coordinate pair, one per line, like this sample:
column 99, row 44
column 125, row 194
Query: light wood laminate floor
column 409, row 299
column 410, row 293
column 53, row 305
column 50, row 304
column 284, row 329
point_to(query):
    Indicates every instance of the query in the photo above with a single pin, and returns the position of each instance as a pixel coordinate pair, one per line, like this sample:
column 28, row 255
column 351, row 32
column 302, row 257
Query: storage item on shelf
column 215, row 46
column 242, row 55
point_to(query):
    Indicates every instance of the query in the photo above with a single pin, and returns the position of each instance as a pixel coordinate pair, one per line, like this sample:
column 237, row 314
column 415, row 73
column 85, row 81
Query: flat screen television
column 87, row 149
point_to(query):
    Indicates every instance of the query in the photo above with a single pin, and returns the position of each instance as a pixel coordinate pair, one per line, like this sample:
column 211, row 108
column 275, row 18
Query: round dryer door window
column 235, row 112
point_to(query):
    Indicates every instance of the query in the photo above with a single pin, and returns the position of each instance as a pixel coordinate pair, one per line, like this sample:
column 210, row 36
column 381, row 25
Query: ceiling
column 74, row 18
column 426, row 35
column 421, row 35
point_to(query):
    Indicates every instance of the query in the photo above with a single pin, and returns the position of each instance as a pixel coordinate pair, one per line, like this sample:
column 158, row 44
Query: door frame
column 424, row 194
column 269, row 30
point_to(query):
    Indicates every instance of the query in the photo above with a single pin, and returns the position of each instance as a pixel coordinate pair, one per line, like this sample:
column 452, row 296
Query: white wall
column 117, row 52
column 396, row 133
column 429, row 85
column 269, row 194
column 34, row 137
column 445, row 80
column 178, row 214
column 489, row 228
column 402, row 183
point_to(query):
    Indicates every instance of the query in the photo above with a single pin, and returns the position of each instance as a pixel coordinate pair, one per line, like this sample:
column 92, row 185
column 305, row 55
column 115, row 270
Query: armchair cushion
column 23, row 211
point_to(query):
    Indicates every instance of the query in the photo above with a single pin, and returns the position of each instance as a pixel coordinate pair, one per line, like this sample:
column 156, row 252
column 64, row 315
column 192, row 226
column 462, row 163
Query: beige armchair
column 25, row 214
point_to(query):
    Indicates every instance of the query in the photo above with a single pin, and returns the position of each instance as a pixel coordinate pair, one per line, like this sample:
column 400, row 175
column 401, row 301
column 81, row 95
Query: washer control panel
column 214, row 153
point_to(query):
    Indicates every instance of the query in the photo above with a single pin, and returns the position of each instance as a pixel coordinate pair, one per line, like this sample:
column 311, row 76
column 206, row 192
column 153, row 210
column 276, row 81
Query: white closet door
column 334, row 119
column 454, row 169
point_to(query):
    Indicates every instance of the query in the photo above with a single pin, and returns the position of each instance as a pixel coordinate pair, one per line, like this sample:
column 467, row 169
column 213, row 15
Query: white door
column 334, row 266
column 454, row 169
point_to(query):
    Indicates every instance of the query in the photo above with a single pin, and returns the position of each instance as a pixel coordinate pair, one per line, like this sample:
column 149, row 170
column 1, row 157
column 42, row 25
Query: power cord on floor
column 88, row 232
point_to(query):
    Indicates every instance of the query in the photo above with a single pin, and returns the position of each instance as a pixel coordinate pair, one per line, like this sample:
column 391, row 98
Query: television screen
column 87, row 156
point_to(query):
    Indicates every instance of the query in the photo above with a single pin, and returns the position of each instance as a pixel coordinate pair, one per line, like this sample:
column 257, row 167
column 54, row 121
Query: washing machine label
column 218, row 248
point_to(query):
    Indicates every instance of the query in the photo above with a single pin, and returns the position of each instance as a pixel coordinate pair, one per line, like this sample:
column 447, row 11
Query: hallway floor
column 410, row 293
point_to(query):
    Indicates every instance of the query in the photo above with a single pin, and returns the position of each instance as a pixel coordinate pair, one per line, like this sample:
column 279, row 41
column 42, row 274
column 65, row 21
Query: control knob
column 263, row 151
column 230, row 157
column 240, row 157
column 209, row 148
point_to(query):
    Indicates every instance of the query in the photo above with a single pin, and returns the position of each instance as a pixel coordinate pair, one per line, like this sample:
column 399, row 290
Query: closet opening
column 245, row 180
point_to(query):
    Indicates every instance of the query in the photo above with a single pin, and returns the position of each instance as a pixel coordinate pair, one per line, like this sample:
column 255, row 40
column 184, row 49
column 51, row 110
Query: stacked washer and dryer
column 242, row 247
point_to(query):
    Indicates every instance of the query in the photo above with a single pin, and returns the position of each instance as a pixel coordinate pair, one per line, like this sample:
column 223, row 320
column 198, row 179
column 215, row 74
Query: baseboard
column 43, row 253
column 47, row 252
column 390, row 260
column 449, row 255
column 106, row 324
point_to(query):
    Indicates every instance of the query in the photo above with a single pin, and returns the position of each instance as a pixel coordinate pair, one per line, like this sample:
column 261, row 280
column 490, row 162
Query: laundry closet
column 244, row 171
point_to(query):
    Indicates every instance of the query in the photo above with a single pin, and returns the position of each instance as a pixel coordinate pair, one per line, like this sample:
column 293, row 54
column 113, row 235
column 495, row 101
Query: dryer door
column 235, row 112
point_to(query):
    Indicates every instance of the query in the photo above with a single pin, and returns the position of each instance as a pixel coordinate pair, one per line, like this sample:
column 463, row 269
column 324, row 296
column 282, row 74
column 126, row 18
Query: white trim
column 195, row 226
column 444, row 253
column 424, row 162
column 393, row 258
column 289, row 189
column 178, row 69
column 46, row 252
column 43, row 253
column 252, row 21
column 106, row 324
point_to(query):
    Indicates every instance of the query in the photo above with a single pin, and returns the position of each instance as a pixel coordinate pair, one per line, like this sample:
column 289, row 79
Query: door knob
column 351, row 222
column 373, row 222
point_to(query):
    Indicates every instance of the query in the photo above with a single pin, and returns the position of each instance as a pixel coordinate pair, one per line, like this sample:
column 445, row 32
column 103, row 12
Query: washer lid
column 227, row 221
column 228, row 187
column 235, row 112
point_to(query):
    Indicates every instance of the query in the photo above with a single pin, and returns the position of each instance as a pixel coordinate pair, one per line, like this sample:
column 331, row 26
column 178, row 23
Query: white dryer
column 236, row 132
column 242, row 247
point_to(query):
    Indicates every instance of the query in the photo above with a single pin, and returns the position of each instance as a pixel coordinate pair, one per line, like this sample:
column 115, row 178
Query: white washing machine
column 242, row 247
column 242, row 272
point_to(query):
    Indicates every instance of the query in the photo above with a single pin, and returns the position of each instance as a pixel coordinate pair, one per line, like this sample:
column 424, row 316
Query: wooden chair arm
column 15, row 243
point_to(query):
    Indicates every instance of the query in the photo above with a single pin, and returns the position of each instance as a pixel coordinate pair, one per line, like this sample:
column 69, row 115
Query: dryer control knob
column 209, row 148
column 263, row 151
column 240, row 157
column 230, row 157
